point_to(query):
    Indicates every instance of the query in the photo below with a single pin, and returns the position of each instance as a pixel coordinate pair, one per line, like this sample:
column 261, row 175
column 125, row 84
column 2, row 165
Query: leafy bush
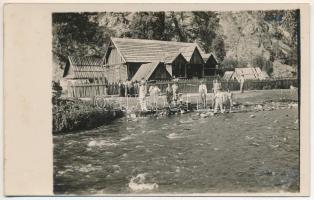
column 73, row 114
column 56, row 91
column 229, row 63
column 263, row 64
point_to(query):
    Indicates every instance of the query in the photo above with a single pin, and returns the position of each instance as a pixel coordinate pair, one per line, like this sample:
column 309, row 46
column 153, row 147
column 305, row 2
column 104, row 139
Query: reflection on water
column 182, row 154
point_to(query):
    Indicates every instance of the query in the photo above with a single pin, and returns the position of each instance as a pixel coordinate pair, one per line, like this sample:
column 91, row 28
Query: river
column 235, row 152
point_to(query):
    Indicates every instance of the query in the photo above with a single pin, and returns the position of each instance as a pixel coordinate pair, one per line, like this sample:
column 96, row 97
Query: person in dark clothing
column 120, row 89
column 169, row 94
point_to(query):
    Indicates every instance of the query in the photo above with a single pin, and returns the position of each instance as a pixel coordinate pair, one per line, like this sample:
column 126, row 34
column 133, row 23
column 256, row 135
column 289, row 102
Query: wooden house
column 125, row 56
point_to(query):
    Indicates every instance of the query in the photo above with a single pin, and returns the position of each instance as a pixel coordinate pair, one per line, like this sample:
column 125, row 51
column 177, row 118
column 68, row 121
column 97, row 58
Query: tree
column 219, row 48
column 148, row 25
column 77, row 34
column 205, row 28
column 180, row 26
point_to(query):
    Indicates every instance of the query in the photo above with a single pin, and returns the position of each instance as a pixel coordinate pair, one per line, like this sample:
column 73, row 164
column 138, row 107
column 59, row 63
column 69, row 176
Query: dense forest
column 265, row 39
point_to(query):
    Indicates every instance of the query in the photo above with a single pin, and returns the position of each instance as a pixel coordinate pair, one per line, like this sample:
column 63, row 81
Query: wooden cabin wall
column 160, row 73
column 116, row 73
column 210, row 67
column 169, row 68
column 132, row 69
column 179, row 67
column 195, row 70
column 196, row 66
column 196, row 58
column 114, row 57
column 116, row 69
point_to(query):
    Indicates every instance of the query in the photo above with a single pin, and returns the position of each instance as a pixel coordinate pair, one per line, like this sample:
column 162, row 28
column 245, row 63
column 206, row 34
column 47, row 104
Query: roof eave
column 111, row 39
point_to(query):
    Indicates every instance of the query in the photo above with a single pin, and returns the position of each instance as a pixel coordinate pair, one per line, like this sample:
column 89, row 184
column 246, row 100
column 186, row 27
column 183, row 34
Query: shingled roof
column 145, row 71
column 207, row 56
column 250, row 73
column 84, row 68
column 228, row 75
column 138, row 50
column 172, row 57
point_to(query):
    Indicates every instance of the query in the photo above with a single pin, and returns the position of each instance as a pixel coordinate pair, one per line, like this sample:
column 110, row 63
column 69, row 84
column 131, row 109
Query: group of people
column 172, row 93
column 202, row 89
column 128, row 88
column 139, row 88
column 153, row 92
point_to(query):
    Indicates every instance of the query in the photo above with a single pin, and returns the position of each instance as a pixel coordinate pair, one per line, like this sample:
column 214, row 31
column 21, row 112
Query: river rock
column 252, row 116
column 292, row 105
column 138, row 183
column 92, row 143
column 258, row 108
column 203, row 115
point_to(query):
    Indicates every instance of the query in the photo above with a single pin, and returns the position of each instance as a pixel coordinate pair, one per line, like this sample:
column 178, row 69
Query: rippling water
column 182, row 154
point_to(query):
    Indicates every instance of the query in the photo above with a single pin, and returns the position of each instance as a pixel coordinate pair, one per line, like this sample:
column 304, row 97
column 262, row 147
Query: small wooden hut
column 86, row 69
column 249, row 73
column 228, row 76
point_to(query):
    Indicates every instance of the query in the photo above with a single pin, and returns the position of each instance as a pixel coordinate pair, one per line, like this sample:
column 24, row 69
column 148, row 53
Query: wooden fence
column 191, row 86
column 185, row 86
column 91, row 90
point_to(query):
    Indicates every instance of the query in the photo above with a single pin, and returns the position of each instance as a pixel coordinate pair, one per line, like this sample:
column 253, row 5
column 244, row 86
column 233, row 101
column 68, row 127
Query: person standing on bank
column 169, row 94
column 202, row 89
column 215, row 86
column 106, row 90
column 126, row 87
column 155, row 93
column 241, row 83
column 175, row 93
column 136, row 88
column 120, row 89
column 142, row 95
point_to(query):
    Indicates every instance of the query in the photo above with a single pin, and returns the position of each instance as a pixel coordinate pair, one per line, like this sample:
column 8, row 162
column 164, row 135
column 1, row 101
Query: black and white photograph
column 176, row 102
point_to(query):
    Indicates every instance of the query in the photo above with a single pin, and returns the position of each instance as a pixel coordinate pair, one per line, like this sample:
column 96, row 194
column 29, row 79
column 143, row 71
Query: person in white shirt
column 175, row 93
column 142, row 95
column 202, row 90
column 222, row 100
column 216, row 86
column 154, row 94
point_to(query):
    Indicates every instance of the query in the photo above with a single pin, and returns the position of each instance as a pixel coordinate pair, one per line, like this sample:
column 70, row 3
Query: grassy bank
column 73, row 114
